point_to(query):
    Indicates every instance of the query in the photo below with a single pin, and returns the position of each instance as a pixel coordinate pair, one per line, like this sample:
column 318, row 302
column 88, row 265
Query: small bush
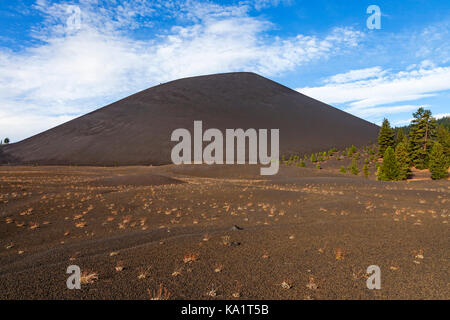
column 354, row 168
column 366, row 170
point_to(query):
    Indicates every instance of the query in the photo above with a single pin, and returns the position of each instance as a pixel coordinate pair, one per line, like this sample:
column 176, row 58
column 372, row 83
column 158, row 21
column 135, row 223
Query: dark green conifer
column 421, row 136
column 389, row 168
column 438, row 162
column 403, row 161
column 385, row 137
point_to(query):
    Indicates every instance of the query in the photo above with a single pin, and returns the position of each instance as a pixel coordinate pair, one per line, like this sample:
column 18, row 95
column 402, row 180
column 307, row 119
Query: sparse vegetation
column 402, row 210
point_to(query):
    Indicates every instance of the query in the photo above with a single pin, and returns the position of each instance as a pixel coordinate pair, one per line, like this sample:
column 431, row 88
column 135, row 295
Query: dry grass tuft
column 311, row 284
column 206, row 237
column 237, row 290
column 119, row 266
column 143, row 273
column 286, row 284
column 212, row 292
column 339, row 254
column 226, row 240
column 34, row 225
column 218, row 268
column 88, row 277
column 160, row 294
column 80, row 224
column 190, row 257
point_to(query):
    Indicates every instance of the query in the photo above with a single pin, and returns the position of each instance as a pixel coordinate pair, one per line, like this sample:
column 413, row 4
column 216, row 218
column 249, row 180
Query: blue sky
column 61, row 59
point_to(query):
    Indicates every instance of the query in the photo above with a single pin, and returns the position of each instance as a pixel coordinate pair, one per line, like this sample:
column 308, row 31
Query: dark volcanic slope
column 137, row 129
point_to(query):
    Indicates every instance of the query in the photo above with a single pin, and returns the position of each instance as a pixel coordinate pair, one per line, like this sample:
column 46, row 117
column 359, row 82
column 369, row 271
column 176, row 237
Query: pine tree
column 349, row 152
column 354, row 168
column 343, row 169
column 389, row 168
column 313, row 158
column 403, row 161
column 421, row 136
column 443, row 137
column 301, row 164
column 385, row 137
column 366, row 170
column 401, row 137
column 438, row 162
column 332, row 151
column 378, row 173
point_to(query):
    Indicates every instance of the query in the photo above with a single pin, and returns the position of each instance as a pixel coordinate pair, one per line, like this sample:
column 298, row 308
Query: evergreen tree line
column 425, row 145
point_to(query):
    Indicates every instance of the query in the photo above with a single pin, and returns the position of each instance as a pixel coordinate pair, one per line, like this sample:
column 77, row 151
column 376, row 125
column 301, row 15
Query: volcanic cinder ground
column 301, row 234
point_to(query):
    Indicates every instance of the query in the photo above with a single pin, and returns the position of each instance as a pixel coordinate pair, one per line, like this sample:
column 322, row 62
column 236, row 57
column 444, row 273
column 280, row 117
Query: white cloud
column 386, row 88
column 441, row 115
column 405, row 122
column 383, row 111
column 262, row 4
column 28, row 124
column 354, row 75
column 75, row 70
column 400, row 123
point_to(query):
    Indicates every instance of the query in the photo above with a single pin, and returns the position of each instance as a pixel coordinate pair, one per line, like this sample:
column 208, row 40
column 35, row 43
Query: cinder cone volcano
column 137, row 129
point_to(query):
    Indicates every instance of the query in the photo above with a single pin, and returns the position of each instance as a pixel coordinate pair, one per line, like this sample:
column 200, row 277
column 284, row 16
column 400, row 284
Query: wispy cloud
column 406, row 122
column 384, row 111
column 354, row 75
column 381, row 89
column 441, row 115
